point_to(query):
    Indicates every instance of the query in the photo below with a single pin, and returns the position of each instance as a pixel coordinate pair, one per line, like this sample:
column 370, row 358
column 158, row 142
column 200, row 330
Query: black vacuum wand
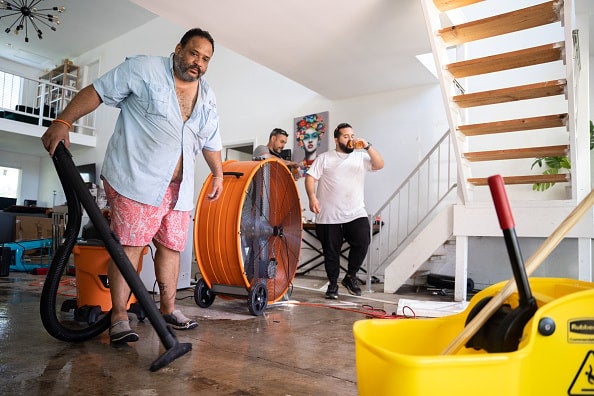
column 76, row 192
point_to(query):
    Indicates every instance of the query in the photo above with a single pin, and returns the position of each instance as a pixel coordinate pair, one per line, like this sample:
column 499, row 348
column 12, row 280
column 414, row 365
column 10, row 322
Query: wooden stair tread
column 508, row 60
column 525, row 18
column 525, row 152
column 511, row 94
column 446, row 5
column 517, row 125
column 528, row 179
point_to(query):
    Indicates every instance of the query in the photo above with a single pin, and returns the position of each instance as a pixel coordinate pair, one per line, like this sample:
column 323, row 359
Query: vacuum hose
column 58, row 267
column 76, row 194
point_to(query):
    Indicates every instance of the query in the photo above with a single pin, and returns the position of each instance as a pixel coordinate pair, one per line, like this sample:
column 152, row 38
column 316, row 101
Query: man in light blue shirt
column 152, row 133
column 168, row 115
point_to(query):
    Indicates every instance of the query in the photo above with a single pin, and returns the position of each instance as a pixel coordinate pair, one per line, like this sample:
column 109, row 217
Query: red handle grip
column 504, row 214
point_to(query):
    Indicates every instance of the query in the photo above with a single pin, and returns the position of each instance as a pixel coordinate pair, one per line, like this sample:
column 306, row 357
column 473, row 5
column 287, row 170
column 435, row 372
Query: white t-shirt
column 341, row 183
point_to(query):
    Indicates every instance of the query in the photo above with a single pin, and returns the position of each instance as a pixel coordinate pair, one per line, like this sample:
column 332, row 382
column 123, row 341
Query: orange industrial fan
column 247, row 242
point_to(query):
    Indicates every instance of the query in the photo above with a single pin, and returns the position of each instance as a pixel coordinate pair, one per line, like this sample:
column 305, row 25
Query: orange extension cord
column 369, row 311
column 67, row 287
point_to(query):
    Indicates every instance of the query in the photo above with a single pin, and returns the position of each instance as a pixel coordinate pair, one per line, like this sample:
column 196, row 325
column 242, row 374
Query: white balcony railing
column 38, row 102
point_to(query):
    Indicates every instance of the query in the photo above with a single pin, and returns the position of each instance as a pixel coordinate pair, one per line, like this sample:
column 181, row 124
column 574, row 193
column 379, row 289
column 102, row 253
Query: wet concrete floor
column 303, row 346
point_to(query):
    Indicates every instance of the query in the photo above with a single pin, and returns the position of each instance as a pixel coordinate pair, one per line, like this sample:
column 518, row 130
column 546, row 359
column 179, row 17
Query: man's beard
column 181, row 70
column 345, row 148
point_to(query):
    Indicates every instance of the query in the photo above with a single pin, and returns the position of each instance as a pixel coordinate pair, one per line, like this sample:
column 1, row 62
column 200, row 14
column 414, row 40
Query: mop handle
column 510, row 237
column 504, row 214
column 531, row 265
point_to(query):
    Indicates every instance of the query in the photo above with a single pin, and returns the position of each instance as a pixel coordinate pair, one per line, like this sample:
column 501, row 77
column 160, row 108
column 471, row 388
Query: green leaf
column 591, row 135
column 554, row 164
column 557, row 162
column 537, row 161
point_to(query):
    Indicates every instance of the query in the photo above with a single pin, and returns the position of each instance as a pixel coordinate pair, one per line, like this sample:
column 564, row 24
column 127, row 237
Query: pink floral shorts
column 137, row 224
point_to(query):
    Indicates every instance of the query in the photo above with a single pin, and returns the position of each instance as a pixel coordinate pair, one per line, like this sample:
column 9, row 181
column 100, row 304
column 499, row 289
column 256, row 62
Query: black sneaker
column 178, row 321
column 332, row 292
column 352, row 285
column 121, row 333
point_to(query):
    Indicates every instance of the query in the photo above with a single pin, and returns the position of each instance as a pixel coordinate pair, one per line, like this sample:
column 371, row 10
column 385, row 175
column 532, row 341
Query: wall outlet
column 184, row 280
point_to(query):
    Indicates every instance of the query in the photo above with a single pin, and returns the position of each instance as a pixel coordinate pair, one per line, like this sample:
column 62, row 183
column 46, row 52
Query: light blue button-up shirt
column 150, row 134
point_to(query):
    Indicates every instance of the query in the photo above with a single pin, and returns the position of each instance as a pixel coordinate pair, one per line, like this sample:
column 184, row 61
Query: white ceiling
column 337, row 48
column 85, row 24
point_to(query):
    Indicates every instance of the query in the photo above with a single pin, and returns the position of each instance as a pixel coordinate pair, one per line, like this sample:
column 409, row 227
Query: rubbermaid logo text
column 580, row 331
column 582, row 326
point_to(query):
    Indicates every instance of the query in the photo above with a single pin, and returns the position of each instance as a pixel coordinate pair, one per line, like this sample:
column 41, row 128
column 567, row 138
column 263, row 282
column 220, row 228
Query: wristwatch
column 368, row 145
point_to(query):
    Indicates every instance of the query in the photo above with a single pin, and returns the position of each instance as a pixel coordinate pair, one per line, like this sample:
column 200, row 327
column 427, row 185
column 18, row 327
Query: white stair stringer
column 419, row 250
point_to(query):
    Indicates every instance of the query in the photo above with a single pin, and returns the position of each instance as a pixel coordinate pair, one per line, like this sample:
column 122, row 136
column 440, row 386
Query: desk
column 20, row 247
column 318, row 258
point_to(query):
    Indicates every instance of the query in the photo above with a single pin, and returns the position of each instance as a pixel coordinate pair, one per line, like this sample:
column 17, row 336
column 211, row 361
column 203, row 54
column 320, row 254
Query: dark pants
column 356, row 233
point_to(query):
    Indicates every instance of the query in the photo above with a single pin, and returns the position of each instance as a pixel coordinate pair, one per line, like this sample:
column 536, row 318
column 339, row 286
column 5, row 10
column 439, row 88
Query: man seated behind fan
column 276, row 143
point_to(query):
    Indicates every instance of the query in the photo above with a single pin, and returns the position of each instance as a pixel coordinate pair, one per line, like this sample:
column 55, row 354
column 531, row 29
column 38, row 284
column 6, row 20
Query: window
column 10, row 89
column 10, row 180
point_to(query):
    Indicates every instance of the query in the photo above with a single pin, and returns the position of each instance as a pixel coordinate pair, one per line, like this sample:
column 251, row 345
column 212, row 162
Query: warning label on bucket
column 583, row 383
column 581, row 331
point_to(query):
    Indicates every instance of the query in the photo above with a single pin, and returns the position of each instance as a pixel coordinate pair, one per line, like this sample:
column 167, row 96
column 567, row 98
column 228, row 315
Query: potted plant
column 556, row 164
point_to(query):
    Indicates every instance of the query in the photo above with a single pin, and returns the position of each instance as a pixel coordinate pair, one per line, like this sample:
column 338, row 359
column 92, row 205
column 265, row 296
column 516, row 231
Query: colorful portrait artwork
column 310, row 131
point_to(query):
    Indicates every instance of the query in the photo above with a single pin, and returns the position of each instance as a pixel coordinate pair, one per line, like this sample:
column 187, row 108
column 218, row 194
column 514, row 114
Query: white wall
column 19, row 69
column 30, row 167
column 489, row 261
column 402, row 125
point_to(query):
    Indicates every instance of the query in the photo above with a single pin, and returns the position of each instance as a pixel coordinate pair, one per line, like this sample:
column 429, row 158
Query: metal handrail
column 412, row 204
column 33, row 105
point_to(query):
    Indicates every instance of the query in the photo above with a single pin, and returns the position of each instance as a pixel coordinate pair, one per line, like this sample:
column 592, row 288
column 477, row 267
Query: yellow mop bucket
column 555, row 355
column 537, row 339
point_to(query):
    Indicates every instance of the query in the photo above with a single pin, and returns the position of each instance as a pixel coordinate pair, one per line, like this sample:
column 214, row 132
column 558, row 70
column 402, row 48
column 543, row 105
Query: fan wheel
column 257, row 299
column 249, row 238
column 203, row 296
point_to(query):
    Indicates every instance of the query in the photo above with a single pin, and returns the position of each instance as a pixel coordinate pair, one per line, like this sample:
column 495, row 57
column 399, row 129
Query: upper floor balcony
column 27, row 108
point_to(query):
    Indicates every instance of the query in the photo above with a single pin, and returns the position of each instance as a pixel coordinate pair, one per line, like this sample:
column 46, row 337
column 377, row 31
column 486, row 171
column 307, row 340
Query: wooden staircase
column 455, row 78
column 509, row 75
column 522, row 92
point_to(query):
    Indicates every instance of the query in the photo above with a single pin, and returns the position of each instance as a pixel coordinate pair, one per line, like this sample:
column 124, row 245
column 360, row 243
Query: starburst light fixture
column 25, row 12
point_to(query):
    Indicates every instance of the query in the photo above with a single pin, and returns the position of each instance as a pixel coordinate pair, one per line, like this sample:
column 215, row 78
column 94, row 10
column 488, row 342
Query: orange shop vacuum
column 93, row 298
